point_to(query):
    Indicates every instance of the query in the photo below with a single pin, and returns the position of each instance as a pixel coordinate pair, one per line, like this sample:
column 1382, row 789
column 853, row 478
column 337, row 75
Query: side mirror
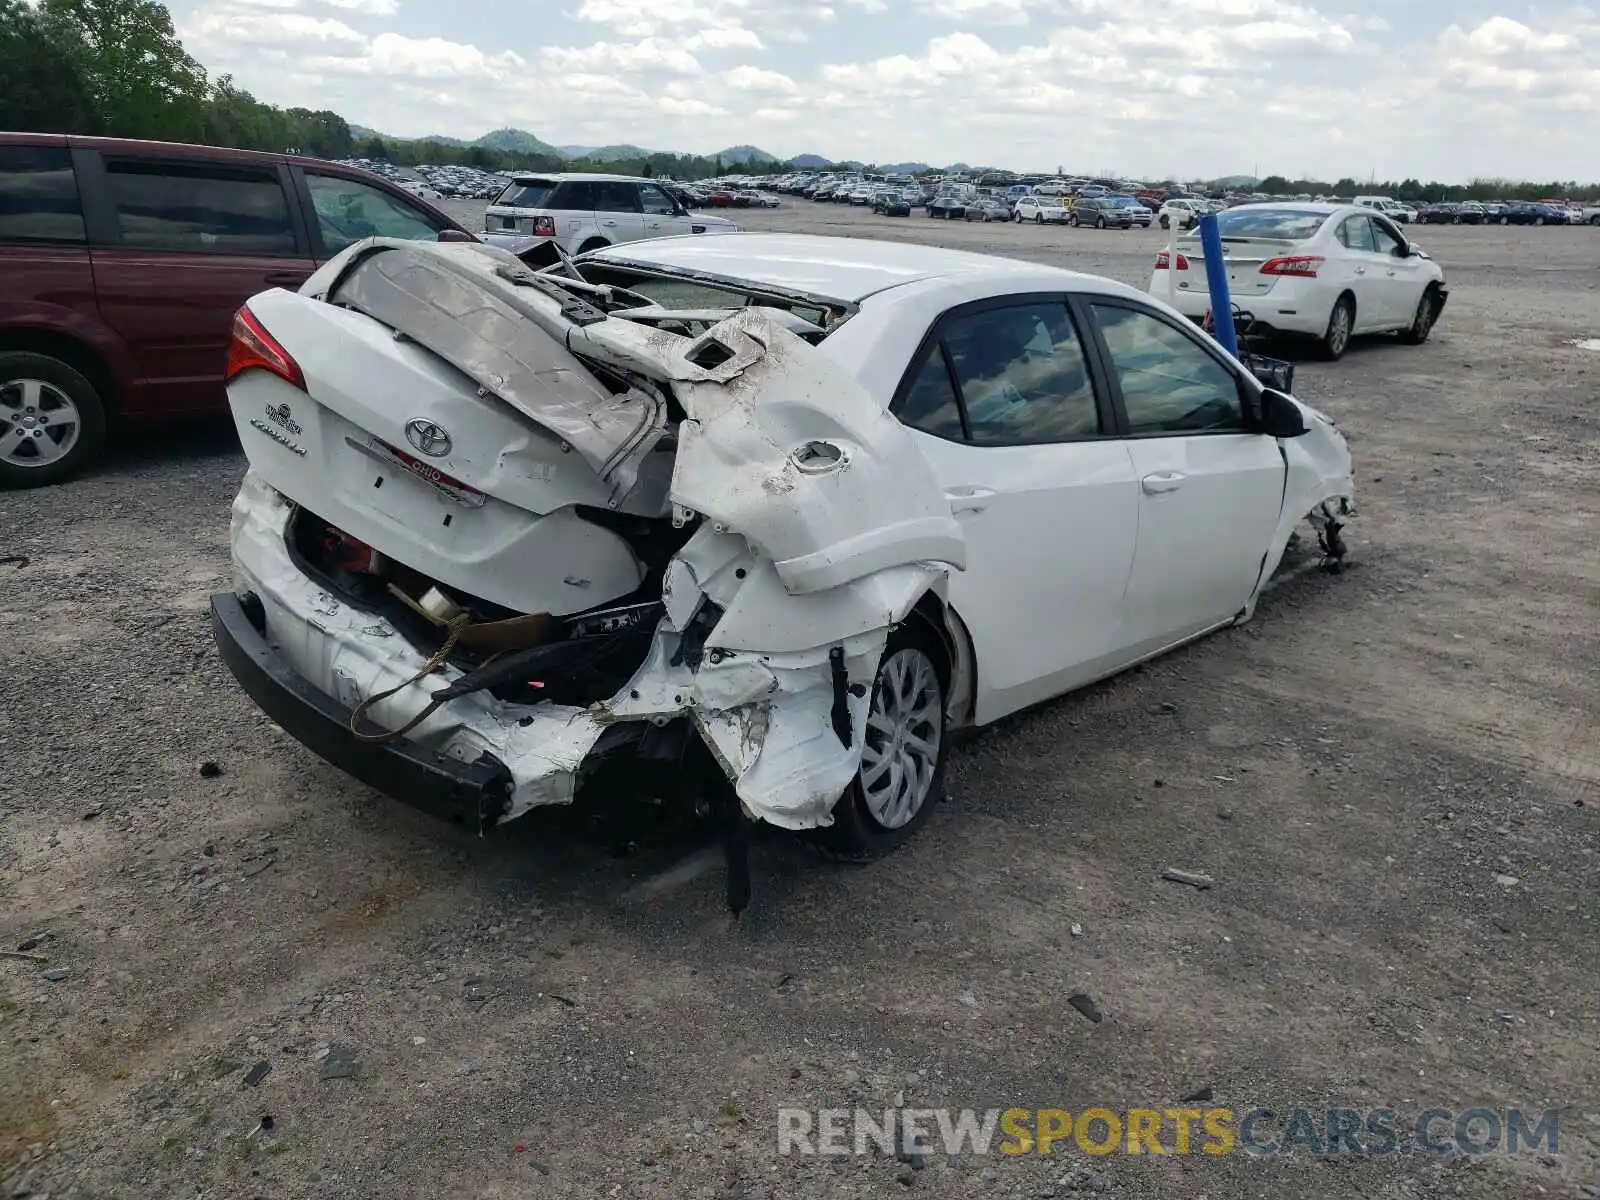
column 1280, row 416
column 455, row 235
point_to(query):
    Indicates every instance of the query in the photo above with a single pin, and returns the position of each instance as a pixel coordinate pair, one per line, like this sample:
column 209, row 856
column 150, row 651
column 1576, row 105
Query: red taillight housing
column 1162, row 262
column 252, row 347
column 544, row 227
column 1303, row 266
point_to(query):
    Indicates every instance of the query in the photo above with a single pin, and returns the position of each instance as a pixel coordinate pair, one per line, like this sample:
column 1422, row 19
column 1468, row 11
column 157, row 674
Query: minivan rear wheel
column 52, row 421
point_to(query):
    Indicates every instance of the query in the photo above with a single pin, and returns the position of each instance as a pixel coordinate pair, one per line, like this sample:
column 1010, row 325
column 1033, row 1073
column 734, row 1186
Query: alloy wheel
column 900, row 753
column 39, row 423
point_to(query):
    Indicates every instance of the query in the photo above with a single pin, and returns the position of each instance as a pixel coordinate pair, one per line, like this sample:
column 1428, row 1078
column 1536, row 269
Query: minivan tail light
column 252, row 347
column 1162, row 260
column 1304, row 266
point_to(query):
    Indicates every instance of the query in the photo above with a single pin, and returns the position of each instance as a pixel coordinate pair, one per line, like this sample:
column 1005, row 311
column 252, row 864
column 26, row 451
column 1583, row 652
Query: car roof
column 576, row 177
column 847, row 269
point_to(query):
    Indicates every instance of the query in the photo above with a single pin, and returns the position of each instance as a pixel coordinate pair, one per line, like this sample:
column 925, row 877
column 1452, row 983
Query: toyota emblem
column 427, row 437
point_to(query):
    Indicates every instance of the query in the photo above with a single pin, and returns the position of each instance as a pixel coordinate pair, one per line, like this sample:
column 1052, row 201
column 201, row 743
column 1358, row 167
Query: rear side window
column 571, row 197
column 38, row 195
column 525, row 193
column 199, row 208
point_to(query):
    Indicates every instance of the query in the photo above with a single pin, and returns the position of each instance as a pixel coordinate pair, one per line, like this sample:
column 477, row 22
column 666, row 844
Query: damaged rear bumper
column 475, row 794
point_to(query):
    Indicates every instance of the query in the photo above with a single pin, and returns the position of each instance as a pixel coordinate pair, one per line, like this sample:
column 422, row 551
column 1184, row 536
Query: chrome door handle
column 1361, row 270
column 608, row 222
column 1161, row 481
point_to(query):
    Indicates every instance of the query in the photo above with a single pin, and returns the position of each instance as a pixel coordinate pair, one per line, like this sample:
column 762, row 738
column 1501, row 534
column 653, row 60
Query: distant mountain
column 514, row 141
column 905, row 168
column 809, row 161
column 605, row 153
column 744, row 156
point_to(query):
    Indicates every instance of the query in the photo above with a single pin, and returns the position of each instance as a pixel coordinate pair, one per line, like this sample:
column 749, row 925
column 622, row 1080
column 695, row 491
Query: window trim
column 1249, row 395
column 79, row 243
column 105, row 229
column 308, row 206
column 934, row 337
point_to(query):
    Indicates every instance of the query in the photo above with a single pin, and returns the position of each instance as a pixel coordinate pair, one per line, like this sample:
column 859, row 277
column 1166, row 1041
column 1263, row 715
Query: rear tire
column 903, row 761
column 1340, row 323
column 1073, row 220
column 1166, row 223
column 1099, row 222
column 593, row 244
column 45, row 400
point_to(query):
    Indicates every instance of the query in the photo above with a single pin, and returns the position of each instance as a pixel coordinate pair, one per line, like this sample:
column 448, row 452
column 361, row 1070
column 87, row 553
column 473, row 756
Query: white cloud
column 647, row 55
column 754, row 79
column 1211, row 87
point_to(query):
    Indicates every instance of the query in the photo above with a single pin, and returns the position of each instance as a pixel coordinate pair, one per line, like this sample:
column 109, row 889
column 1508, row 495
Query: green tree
column 142, row 81
column 42, row 87
column 1274, row 185
column 374, row 147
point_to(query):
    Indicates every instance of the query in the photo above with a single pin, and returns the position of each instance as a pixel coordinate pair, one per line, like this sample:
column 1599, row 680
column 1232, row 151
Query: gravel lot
column 1362, row 768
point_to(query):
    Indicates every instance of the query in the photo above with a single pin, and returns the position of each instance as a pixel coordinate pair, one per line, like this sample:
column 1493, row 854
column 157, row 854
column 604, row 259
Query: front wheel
column 1340, row 322
column 1099, row 222
column 1422, row 320
column 1166, row 223
column 1073, row 221
column 1038, row 218
column 903, row 753
column 1538, row 220
column 52, row 421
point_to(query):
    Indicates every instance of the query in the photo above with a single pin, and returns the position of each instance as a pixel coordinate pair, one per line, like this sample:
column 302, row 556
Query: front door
column 1210, row 490
column 1402, row 277
column 1006, row 412
column 1366, row 274
column 662, row 216
column 344, row 211
column 181, row 243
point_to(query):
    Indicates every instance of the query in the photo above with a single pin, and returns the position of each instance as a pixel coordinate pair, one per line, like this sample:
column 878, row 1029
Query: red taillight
column 1162, row 260
column 544, row 226
column 1305, row 266
column 252, row 346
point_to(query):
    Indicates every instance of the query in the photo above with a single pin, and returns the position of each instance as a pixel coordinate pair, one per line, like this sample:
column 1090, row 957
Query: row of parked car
column 1543, row 212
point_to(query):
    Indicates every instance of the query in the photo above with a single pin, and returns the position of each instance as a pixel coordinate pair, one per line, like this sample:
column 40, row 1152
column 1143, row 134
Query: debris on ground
column 1085, row 1005
column 210, row 770
column 54, row 974
column 1193, row 878
column 257, row 1073
column 341, row 1063
column 1199, row 1096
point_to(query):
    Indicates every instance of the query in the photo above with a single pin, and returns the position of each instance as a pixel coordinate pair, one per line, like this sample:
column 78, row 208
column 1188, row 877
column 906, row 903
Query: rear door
column 617, row 210
column 1004, row 405
column 1209, row 488
column 178, row 243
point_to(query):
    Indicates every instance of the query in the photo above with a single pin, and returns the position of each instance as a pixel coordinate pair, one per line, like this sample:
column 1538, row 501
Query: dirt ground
column 1391, row 774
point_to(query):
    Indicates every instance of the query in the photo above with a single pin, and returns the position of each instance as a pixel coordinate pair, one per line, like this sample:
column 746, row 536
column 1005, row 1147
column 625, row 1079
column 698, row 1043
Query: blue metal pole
column 1217, row 280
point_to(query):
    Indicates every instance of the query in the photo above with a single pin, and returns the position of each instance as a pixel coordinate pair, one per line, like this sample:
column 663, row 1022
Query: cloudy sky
column 1141, row 87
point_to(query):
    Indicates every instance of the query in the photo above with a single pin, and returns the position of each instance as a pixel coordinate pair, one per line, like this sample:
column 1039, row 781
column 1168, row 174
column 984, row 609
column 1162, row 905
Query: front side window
column 199, row 207
column 39, row 195
column 348, row 211
column 655, row 201
column 1356, row 234
column 1022, row 374
column 1384, row 239
column 1169, row 383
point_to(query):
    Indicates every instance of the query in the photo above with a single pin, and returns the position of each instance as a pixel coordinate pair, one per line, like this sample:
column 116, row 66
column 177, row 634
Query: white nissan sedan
column 799, row 505
column 1323, row 271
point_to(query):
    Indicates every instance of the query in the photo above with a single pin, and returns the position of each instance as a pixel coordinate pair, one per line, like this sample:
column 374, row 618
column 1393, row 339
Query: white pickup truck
column 1389, row 207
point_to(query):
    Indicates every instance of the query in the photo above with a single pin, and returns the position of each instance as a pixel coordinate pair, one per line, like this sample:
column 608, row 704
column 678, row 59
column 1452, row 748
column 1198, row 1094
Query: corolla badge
column 427, row 437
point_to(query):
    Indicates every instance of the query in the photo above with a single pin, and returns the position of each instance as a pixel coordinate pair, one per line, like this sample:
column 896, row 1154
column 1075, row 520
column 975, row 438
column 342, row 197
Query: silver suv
column 583, row 212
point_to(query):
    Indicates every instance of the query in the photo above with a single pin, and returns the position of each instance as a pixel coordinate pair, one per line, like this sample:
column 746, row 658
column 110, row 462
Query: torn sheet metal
column 1320, row 472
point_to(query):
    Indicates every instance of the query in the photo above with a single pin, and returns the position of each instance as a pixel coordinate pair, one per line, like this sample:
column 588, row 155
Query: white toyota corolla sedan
column 1325, row 271
column 798, row 506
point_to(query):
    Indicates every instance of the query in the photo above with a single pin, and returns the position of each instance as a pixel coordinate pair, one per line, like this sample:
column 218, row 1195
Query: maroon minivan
column 121, row 266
